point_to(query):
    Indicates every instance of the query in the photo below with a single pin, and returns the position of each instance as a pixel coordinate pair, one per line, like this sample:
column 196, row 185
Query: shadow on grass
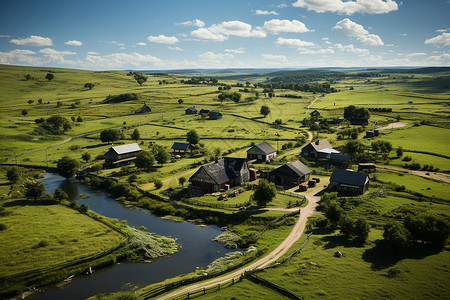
column 382, row 256
column 334, row 241
column 94, row 146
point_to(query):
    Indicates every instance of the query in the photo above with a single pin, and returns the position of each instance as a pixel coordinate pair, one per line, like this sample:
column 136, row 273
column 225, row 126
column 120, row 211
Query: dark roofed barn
column 290, row 174
column 144, row 109
column 214, row 176
column 179, row 148
column 262, row 152
column 191, row 111
column 318, row 149
column 349, row 181
column 213, row 115
column 315, row 113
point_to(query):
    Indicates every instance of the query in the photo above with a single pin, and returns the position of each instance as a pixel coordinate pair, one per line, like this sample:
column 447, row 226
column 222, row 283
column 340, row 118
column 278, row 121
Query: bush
column 158, row 183
column 2, row 227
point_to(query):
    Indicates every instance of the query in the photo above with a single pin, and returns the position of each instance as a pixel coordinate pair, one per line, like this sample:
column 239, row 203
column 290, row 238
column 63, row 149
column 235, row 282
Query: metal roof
column 180, row 146
column 262, row 148
column 122, row 149
column 349, row 177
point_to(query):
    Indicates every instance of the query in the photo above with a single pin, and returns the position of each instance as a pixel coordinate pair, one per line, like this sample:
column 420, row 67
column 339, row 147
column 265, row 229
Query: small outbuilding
column 318, row 149
column 191, row 111
column 145, row 109
column 213, row 115
column 180, row 148
column 349, row 181
column 370, row 167
column 290, row 174
column 338, row 159
column 121, row 155
column 315, row 113
column 262, row 152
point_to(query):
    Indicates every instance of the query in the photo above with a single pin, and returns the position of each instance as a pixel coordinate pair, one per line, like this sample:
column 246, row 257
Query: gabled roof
column 122, row 149
column 193, row 109
column 299, row 168
column 339, row 157
column 328, row 151
column 319, row 145
column 180, row 146
column 224, row 169
column 315, row 113
column 349, row 177
column 262, row 148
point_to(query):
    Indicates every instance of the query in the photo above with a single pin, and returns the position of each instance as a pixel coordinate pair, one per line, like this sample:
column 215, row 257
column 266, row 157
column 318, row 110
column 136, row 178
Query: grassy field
column 40, row 236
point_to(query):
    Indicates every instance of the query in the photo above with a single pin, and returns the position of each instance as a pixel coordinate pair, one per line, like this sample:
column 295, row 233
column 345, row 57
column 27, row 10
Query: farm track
column 294, row 236
column 426, row 174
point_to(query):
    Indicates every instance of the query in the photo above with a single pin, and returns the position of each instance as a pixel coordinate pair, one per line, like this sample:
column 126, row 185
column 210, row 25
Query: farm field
column 311, row 274
column 41, row 236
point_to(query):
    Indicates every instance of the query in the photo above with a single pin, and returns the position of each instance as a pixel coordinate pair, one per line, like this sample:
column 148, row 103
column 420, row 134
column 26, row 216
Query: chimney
column 317, row 142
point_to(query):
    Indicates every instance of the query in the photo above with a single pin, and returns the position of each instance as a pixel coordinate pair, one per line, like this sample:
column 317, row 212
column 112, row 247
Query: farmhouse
column 318, row 149
column 144, row 109
column 315, row 113
column 290, row 174
column 121, row 155
column 349, row 181
column 372, row 133
column 191, row 110
column 262, row 152
column 222, row 174
column 180, row 148
column 213, row 115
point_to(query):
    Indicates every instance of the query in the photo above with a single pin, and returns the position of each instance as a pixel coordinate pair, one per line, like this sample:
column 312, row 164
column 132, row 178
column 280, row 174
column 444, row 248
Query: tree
column 192, row 137
column 60, row 195
column 84, row 208
column 399, row 152
column 136, row 135
column 161, row 155
column 89, row 85
column 34, row 189
column 109, row 135
column 86, row 156
column 397, row 236
column 347, row 226
column 144, row 160
column 265, row 110
column 58, row 123
column 361, row 231
column 182, row 180
column 30, row 101
column 264, row 193
column 427, row 227
column 354, row 112
column 180, row 101
column 158, row 183
column 13, row 175
column 40, row 101
column 49, row 76
column 24, row 112
column 353, row 147
column 28, row 77
column 79, row 119
column 140, row 78
column 334, row 212
column 67, row 167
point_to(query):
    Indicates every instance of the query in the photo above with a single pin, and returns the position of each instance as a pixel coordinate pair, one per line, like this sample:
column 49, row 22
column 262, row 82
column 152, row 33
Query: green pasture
column 424, row 159
column 426, row 187
column 40, row 236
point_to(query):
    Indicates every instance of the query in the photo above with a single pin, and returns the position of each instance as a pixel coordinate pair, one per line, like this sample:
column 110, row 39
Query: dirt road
column 392, row 125
column 433, row 175
column 295, row 234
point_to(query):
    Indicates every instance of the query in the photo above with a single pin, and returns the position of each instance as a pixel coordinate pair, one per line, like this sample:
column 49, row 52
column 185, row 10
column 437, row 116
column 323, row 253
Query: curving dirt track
column 295, row 234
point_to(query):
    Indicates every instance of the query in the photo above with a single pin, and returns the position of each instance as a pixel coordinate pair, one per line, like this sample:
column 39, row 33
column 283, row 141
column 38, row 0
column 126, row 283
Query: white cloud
column 349, row 28
column 266, row 12
column 371, row 40
column 404, row 34
column 19, row 56
column 118, row 60
column 320, row 51
column 22, row 51
column 444, row 57
column 237, row 28
column 74, row 43
column 4, row 36
column 33, row 40
column 349, row 7
column 351, row 49
column 196, row 23
column 206, row 35
column 240, row 50
column 443, row 30
column 162, row 39
column 176, row 48
column 275, row 59
column 442, row 39
column 214, row 56
column 93, row 53
column 282, row 5
column 293, row 43
column 416, row 54
column 141, row 44
column 49, row 51
column 276, row 26
column 116, row 43
column 220, row 32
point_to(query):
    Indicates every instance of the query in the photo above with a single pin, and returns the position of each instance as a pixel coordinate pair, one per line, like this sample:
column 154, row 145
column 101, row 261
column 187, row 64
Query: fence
column 272, row 286
column 216, row 205
column 292, row 194
column 203, row 291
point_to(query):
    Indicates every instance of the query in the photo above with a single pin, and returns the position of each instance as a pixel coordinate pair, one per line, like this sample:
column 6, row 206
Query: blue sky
column 117, row 34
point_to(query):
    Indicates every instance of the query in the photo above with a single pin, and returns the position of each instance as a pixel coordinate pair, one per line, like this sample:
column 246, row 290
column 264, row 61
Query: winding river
column 196, row 246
